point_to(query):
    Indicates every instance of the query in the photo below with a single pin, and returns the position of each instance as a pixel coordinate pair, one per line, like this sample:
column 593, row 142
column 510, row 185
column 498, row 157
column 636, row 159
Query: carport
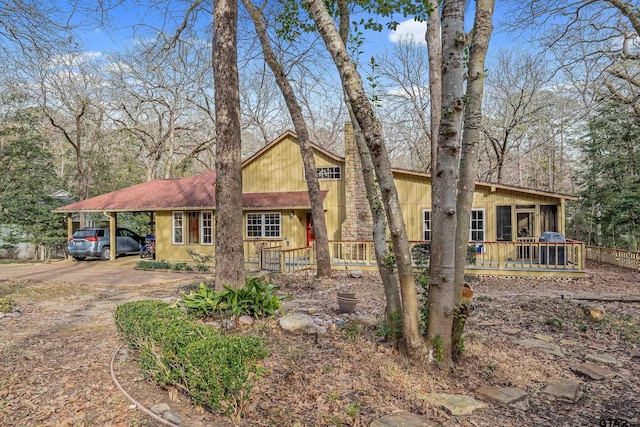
column 148, row 197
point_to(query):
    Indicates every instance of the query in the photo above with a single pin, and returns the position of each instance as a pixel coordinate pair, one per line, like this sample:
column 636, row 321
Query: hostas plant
column 257, row 298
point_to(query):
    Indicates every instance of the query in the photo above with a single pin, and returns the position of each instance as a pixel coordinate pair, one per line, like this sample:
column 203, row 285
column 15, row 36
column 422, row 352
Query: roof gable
column 290, row 135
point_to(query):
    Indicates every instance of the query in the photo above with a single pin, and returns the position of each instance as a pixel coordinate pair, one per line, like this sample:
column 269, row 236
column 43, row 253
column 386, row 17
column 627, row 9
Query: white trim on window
column 177, row 227
column 329, row 172
column 477, row 225
column 426, row 224
column 263, row 225
column 206, row 228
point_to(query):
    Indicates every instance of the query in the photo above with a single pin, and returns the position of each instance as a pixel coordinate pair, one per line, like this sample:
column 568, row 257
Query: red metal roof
column 193, row 192
column 289, row 199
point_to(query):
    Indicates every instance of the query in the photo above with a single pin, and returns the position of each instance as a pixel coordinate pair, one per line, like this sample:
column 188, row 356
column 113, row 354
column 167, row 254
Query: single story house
column 506, row 222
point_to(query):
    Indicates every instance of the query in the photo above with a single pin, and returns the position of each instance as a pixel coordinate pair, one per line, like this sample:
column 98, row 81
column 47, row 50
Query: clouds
column 409, row 30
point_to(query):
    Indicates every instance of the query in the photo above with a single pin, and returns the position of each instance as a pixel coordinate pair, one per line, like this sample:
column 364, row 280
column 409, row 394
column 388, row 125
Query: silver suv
column 94, row 242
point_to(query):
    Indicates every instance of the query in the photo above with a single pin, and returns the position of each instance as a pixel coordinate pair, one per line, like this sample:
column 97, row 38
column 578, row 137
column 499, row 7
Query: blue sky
column 123, row 19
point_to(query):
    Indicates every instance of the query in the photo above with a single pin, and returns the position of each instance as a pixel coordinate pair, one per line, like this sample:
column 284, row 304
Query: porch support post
column 69, row 225
column 113, row 226
column 561, row 225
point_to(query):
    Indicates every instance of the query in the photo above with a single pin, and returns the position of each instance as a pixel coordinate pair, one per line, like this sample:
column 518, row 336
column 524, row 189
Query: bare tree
column 263, row 110
column 444, row 181
column 595, row 44
column 71, row 95
column 406, row 105
column 311, row 176
column 229, row 248
column 388, row 276
column 35, row 30
column 372, row 132
column 513, row 104
column 434, row 49
column 160, row 99
column 478, row 46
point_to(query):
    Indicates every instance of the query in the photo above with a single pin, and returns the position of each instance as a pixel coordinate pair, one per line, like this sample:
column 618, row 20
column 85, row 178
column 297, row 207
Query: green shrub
column 391, row 328
column 216, row 370
column 5, row 305
column 181, row 266
column 154, row 265
column 421, row 253
column 231, row 358
column 201, row 260
column 257, row 298
column 472, row 254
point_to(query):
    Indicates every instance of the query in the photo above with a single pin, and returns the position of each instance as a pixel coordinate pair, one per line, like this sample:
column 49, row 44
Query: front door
column 310, row 236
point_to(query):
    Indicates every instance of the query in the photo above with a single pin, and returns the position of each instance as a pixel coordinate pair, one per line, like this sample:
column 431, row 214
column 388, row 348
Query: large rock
column 455, row 404
column 160, row 408
column 245, row 320
column 298, row 321
column 589, row 310
column 172, row 417
column 504, row 395
column 593, row 371
column 545, row 338
column 356, row 274
column 564, row 388
column 544, row 346
column 403, row 419
column 601, row 358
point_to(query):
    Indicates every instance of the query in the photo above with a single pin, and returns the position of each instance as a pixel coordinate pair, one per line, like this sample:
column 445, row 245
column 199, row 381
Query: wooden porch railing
column 619, row 257
column 276, row 258
column 568, row 255
column 252, row 248
column 520, row 256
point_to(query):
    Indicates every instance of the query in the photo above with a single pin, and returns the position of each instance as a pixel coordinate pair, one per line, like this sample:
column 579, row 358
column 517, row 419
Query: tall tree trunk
column 434, row 50
column 317, row 211
column 229, row 248
column 469, row 159
column 372, row 131
column 444, row 180
column 387, row 274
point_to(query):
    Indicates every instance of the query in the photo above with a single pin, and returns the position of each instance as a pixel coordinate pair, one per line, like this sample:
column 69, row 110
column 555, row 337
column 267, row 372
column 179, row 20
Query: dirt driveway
column 55, row 352
column 120, row 272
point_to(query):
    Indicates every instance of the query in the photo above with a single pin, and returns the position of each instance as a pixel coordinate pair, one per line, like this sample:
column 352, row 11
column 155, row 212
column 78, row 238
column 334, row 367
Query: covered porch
column 520, row 258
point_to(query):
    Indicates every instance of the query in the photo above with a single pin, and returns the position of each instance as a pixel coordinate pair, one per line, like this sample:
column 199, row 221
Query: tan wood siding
column 414, row 192
column 166, row 250
column 280, row 169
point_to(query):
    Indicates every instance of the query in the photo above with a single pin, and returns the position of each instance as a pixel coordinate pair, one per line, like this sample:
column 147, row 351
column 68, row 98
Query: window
column 207, row 228
column 503, row 223
column 426, row 225
column 263, row 225
column 178, row 224
column 193, row 227
column 477, row 225
column 197, row 227
column 331, row 172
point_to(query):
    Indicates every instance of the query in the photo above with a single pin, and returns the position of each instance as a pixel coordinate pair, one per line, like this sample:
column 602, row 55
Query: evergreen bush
column 216, row 370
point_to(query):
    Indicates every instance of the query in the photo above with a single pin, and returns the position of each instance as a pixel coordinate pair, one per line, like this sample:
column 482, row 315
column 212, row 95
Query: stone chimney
column 358, row 223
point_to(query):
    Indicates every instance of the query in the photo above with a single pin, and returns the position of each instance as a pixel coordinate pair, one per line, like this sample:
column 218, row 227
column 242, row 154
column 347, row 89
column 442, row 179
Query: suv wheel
column 105, row 255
